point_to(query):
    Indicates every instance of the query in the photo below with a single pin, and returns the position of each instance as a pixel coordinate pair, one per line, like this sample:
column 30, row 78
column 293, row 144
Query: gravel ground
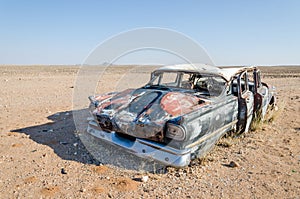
column 42, row 155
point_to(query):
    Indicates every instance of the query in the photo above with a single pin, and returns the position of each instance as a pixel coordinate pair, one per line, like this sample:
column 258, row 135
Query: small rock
column 107, row 177
column 63, row 171
column 82, row 190
column 145, row 178
column 233, row 164
column 75, row 144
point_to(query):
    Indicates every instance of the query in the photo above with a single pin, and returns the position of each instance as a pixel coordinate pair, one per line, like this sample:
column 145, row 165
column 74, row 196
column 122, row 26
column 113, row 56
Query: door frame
column 245, row 103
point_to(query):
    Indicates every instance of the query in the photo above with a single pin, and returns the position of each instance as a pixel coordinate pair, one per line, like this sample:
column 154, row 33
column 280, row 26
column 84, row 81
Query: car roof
column 226, row 72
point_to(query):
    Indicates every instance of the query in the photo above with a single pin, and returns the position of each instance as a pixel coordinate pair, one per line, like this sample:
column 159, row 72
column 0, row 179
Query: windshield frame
column 180, row 84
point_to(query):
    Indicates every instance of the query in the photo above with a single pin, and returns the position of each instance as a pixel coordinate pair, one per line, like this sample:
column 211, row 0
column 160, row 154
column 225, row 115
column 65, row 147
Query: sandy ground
column 41, row 155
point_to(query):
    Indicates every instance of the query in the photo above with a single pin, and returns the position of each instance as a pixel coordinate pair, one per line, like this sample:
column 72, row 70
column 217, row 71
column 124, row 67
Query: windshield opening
column 202, row 84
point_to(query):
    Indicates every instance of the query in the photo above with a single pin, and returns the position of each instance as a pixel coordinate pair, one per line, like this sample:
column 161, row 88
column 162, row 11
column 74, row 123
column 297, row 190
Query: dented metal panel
column 181, row 115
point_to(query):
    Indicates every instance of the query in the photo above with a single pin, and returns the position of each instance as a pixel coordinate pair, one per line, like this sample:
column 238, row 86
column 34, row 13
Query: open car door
column 245, row 103
column 262, row 94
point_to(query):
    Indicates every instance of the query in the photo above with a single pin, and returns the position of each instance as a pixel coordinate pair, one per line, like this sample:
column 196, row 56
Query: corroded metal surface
column 187, row 114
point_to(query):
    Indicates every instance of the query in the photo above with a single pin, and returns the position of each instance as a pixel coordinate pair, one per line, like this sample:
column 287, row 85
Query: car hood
column 144, row 112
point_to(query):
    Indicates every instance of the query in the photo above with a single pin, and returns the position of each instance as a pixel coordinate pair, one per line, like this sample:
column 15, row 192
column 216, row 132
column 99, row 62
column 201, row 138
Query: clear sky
column 263, row 32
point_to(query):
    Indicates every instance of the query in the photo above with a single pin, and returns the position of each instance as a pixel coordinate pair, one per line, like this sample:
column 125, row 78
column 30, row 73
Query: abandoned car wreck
column 182, row 112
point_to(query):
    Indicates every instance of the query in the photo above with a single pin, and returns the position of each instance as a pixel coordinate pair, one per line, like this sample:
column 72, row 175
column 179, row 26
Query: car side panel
column 209, row 121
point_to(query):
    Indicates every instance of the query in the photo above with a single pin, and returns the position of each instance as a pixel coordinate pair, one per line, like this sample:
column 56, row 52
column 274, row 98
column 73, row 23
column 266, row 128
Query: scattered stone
column 145, row 178
column 233, row 164
column 240, row 152
column 82, row 190
column 63, row 171
column 75, row 144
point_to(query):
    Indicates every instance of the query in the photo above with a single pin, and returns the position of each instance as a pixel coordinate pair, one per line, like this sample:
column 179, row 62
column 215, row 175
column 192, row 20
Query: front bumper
column 143, row 148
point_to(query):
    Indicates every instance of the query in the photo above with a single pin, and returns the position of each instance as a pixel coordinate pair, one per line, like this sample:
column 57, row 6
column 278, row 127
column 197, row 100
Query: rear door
column 245, row 103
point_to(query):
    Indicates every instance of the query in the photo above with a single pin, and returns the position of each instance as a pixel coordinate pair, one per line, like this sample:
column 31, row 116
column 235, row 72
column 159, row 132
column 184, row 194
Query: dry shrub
column 126, row 184
column 31, row 179
column 274, row 112
column 257, row 122
column 226, row 142
column 98, row 190
column 100, row 169
column 50, row 191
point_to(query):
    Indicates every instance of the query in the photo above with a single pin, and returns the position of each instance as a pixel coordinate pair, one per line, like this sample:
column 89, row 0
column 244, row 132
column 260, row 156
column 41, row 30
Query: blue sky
column 234, row 32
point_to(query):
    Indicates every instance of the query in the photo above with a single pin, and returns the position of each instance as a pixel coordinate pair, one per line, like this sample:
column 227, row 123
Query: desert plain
column 42, row 155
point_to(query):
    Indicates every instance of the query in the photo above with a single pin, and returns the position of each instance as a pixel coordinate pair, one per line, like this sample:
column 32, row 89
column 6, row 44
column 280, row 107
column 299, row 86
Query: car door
column 261, row 96
column 257, row 95
column 245, row 103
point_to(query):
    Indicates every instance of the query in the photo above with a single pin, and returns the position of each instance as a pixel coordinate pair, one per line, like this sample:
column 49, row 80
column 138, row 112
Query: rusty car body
column 182, row 112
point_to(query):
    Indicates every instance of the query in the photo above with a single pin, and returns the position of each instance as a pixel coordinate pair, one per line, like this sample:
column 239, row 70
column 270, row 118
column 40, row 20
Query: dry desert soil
column 42, row 155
